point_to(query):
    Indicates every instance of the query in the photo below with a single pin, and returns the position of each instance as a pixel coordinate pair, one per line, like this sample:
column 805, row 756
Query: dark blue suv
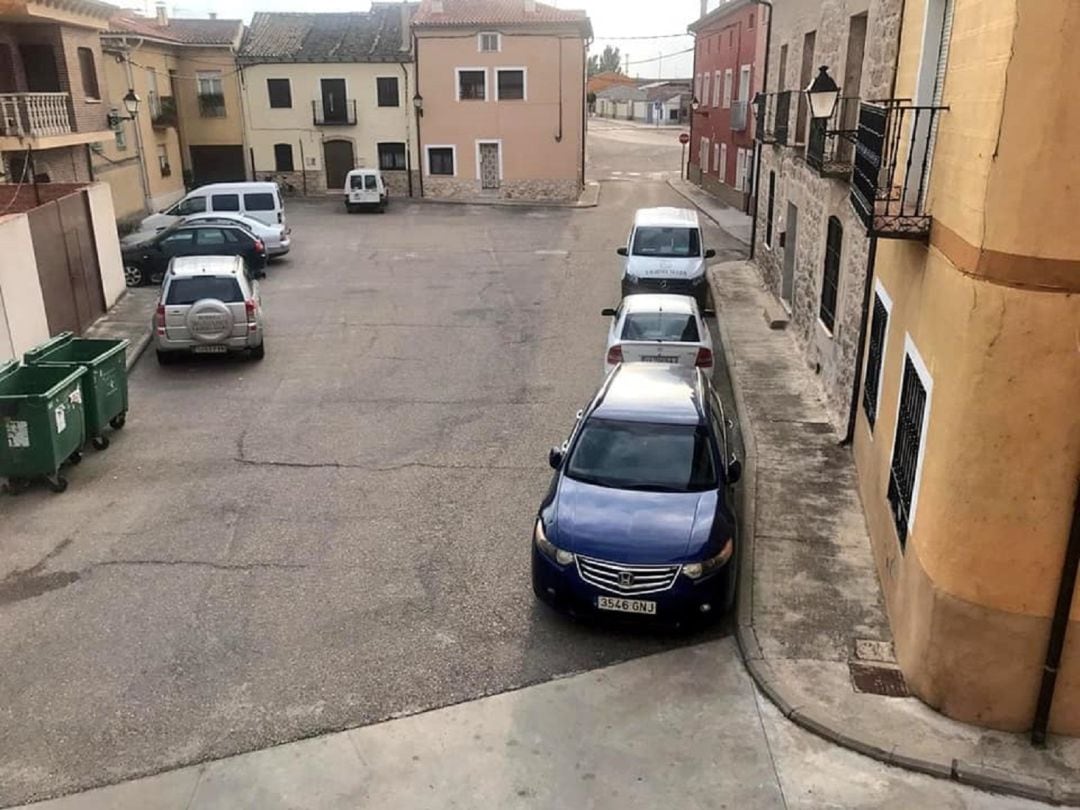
column 638, row 518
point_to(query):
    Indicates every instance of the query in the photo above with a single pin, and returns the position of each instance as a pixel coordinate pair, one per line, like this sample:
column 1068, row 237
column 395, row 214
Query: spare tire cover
column 209, row 320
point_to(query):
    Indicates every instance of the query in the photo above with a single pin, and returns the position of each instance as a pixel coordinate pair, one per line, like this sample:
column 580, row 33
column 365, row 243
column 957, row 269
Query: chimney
column 704, row 7
column 436, row 7
column 406, row 19
column 162, row 17
column 212, row 15
column 530, row 6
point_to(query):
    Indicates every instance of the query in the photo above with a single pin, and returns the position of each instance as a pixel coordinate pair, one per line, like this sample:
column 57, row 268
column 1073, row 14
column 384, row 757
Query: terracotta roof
column 373, row 36
column 181, row 31
column 495, row 12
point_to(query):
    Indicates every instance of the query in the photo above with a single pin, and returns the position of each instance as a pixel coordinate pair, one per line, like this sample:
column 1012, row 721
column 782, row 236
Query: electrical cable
column 19, row 185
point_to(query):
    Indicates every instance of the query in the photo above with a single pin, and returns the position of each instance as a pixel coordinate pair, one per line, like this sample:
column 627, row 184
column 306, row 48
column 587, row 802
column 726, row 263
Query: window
column 392, row 156
column 740, row 169
column 186, row 291
column 280, row 93
column 703, row 155
column 677, row 326
column 213, row 236
column 283, row 159
column 750, row 23
column 510, row 84
column 261, row 200
column 770, row 212
column 225, row 202
column 716, row 90
column 489, row 42
column 178, row 240
column 153, row 100
column 907, row 451
column 705, row 90
column 387, row 91
column 667, row 243
column 211, row 94
column 875, row 353
column 441, row 160
column 718, row 167
column 472, row 84
column 192, row 205
column 727, row 88
column 697, row 87
column 805, row 75
column 830, row 281
column 163, row 160
column 722, row 168
column 89, row 74
column 781, row 74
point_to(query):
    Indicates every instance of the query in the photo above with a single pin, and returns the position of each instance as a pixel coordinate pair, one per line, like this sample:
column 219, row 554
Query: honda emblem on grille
column 626, row 579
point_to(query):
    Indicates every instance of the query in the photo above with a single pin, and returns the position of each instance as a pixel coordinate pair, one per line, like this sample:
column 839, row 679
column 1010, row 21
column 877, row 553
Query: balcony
column 740, row 114
column 830, row 149
column 773, row 115
column 893, row 148
column 163, row 114
column 212, row 105
column 35, row 115
column 334, row 114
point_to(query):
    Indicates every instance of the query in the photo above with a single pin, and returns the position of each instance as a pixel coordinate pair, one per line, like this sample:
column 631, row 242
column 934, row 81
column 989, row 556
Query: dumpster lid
column 10, row 367
column 49, row 345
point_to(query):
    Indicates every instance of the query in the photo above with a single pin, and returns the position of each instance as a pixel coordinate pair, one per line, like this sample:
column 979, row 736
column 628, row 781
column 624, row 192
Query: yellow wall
column 196, row 129
column 971, row 596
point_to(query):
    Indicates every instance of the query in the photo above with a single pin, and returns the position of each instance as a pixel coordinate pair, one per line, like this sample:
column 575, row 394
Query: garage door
column 217, row 164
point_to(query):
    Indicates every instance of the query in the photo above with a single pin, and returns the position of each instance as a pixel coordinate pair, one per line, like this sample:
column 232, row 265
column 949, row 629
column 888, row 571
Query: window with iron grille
column 489, row 42
column 770, row 212
column 283, row 157
column 391, row 156
column 879, row 325
column 905, row 456
column 280, row 93
column 472, row 85
column 831, row 279
column 510, row 84
column 387, row 89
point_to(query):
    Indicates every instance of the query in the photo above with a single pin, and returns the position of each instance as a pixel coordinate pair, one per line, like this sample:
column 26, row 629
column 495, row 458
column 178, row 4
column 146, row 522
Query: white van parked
column 261, row 201
column 365, row 187
column 666, row 253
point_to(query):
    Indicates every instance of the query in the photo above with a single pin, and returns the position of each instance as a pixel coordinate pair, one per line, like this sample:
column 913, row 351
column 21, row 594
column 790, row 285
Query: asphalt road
column 340, row 533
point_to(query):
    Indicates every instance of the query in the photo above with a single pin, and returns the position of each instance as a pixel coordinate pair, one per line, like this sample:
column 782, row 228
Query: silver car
column 208, row 305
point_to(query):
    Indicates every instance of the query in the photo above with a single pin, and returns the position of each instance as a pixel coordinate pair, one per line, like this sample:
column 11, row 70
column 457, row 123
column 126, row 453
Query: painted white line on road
column 551, row 252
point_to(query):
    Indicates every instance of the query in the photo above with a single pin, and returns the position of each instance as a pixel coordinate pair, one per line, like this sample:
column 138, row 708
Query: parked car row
column 639, row 516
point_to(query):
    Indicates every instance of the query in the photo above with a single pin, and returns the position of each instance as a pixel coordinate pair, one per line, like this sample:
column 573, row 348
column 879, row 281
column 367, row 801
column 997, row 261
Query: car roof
column 666, row 217
column 363, row 171
column 253, row 186
column 186, row 225
column 659, row 302
column 225, row 217
column 642, row 392
column 206, row 266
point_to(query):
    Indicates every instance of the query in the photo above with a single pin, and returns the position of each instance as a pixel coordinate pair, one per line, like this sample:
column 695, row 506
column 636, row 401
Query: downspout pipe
column 144, row 175
column 418, row 113
column 757, row 145
column 1059, row 626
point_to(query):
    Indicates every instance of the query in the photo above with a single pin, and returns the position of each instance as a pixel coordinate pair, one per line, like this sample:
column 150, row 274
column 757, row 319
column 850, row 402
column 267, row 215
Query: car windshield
column 356, row 181
column 676, row 243
column 677, row 326
column 641, row 455
column 186, row 291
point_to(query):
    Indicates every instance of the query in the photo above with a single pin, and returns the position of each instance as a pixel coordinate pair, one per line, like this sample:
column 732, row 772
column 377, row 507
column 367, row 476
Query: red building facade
column 728, row 70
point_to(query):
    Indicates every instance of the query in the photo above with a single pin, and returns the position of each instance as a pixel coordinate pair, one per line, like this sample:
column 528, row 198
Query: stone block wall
column 540, row 190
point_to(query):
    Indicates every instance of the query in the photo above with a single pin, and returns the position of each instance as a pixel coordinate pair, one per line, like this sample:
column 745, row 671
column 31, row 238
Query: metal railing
column 830, row 147
column 335, row 113
column 893, row 150
column 35, row 114
column 166, row 114
column 773, row 115
column 740, row 114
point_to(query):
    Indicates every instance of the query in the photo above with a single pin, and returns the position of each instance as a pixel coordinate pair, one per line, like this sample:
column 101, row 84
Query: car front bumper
column 685, row 601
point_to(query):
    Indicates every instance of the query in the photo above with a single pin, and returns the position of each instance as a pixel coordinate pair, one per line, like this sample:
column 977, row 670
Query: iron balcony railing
column 830, row 147
column 165, row 115
column 336, row 113
column 773, row 115
column 35, row 114
column 739, row 115
column 893, row 150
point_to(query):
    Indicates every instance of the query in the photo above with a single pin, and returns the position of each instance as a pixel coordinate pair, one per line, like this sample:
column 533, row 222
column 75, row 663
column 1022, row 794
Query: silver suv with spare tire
column 208, row 305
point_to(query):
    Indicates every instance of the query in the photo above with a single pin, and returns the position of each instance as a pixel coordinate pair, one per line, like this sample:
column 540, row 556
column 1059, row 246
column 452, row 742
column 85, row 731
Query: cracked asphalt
column 338, row 534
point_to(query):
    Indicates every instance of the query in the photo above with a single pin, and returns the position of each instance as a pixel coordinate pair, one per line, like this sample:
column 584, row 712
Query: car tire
column 350, row 209
column 164, row 358
column 134, row 275
column 259, row 352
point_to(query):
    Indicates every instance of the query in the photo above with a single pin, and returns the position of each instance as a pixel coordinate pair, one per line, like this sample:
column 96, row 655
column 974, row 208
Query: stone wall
column 292, row 183
column 540, row 190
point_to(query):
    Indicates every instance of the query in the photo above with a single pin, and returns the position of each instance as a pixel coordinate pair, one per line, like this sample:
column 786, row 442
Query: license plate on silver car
column 660, row 358
column 210, row 349
column 626, row 605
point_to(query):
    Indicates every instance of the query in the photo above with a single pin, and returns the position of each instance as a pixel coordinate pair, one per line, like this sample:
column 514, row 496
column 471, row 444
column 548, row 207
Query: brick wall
column 90, row 114
column 15, row 199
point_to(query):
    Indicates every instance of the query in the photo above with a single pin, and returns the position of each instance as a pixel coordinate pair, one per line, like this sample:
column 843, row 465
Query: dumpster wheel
column 75, row 458
column 119, row 420
column 57, row 483
column 16, row 486
column 100, row 442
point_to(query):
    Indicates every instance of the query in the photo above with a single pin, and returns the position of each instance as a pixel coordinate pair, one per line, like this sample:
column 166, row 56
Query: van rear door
column 263, row 206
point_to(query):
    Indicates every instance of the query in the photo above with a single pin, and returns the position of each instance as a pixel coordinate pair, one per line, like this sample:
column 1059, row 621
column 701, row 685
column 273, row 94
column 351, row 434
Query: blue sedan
column 638, row 517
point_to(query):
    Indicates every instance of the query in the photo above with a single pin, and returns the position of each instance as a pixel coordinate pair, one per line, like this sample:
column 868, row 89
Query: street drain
column 877, row 679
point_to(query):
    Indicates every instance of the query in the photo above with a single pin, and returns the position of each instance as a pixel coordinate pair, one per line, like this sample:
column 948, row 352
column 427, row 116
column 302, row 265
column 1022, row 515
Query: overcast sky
column 611, row 20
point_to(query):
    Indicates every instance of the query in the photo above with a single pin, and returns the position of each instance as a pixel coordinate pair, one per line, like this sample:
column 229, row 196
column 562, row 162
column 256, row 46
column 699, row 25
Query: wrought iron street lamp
column 418, row 104
column 131, row 104
column 822, row 94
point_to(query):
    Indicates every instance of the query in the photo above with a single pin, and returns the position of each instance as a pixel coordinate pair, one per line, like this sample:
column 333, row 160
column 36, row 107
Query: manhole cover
column 877, row 679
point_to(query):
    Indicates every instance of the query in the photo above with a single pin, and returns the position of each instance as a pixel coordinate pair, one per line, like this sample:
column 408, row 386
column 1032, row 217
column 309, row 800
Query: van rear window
column 669, row 243
column 226, row 202
column 186, row 291
column 262, row 201
column 356, row 181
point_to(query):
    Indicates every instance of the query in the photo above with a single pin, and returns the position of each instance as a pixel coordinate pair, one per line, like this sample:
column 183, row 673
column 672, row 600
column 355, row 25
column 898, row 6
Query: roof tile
column 183, row 31
column 373, row 36
column 494, row 12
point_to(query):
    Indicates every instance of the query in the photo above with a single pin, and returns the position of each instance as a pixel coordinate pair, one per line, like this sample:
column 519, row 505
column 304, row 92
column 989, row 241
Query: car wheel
column 164, row 358
column 259, row 352
column 134, row 276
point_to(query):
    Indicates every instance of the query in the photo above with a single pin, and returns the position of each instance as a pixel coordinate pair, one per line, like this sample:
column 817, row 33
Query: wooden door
column 339, row 161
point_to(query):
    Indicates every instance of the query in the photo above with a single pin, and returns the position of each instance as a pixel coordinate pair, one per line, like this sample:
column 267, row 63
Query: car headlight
column 549, row 549
column 704, row 568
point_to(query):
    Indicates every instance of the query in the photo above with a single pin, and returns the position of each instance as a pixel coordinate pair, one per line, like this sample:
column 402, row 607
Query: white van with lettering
column 261, row 201
column 666, row 253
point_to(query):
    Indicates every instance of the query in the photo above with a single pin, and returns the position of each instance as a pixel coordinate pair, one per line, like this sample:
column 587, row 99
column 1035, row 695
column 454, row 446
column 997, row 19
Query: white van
column 261, row 201
column 365, row 187
column 666, row 254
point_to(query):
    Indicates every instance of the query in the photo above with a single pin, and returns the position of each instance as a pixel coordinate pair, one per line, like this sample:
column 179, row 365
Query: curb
column 138, row 348
column 589, row 198
column 965, row 773
column 708, row 216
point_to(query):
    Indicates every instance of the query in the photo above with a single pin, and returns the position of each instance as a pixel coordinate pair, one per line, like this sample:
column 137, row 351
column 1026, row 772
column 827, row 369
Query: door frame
column 326, row 174
column 497, row 142
column 791, row 237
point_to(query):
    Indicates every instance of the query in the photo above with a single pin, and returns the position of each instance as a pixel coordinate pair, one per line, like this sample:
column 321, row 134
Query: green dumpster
column 104, row 386
column 41, row 423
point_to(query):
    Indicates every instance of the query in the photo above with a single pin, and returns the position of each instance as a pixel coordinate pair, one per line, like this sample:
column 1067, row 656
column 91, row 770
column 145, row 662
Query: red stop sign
column 684, row 138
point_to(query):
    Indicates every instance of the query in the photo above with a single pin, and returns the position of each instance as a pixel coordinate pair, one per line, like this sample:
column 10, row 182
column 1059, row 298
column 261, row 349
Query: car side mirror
column 555, row 457
column 709, row 253
column 734, row 470
column 608, row 312
column 708, row 313
column 621, row 251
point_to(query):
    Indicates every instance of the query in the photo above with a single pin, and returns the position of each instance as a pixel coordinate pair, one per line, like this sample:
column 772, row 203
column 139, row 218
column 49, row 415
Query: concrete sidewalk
column 810, row 615
column 732, row 220
column 130, row 318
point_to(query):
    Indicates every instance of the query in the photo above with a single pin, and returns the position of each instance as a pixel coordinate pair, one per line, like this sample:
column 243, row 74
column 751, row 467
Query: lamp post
column 822, row 94
column 131, row 105
column 418, row 104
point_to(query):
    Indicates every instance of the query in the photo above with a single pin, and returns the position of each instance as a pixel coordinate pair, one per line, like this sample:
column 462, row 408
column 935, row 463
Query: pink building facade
column 729, row 58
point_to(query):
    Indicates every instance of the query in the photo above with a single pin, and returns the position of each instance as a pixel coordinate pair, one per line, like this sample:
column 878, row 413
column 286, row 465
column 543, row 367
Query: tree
column 610, row 61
